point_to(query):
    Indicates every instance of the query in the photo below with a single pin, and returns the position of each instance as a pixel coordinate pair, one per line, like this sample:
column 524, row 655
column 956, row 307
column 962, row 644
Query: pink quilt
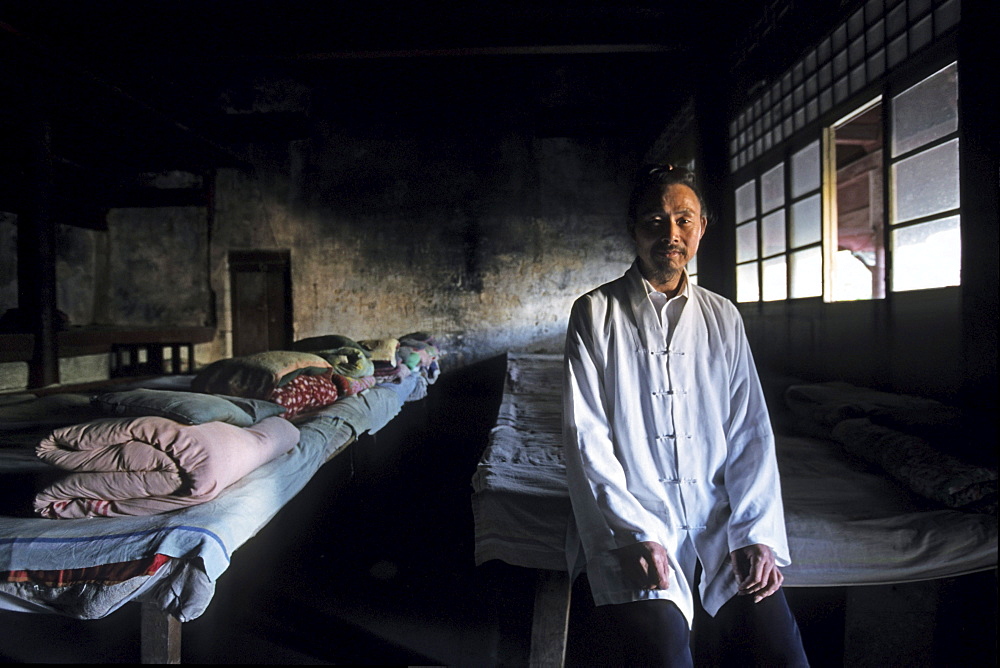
column 150, row 465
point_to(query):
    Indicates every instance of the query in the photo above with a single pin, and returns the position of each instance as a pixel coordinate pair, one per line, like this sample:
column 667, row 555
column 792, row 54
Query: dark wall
column 479, row 228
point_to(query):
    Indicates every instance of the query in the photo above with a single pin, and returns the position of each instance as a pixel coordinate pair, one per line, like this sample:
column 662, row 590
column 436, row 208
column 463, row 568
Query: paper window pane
column 773, row 233
column 856, row 52
column 875, row 36
column 921, row 34
column 840, row 90
column 896, row 21
column 746, row 201
column 946, row 16
column 926, row 183
column 928, row 255
column 857, row 80
column 746, row 242
column 918, row 8
column 806, row 222
column 806, row 268
column 747, row 287
column 772, row 188
column 897, row 50
column 806, row 170
column 775, row 279
column 840, row 64
column 876, row 64
column 856, row 23
column 926, row 111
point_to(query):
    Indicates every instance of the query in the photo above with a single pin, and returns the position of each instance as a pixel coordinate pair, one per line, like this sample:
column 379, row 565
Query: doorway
column 261, row 290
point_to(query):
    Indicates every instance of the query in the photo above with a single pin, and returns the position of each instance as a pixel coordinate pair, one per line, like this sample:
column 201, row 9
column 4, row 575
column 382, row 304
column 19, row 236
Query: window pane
column 747, row 289
column 746, row 242
column 926, row 111
column 926, row 183
column 852, row 278
column 775, row 279
column 773, row 233
column 806, row 223
column 858, row 270
column 746, row 203
column 928, row 255
column 805, row 170
column 692, row 265
column 772, row 188
column 806, row 267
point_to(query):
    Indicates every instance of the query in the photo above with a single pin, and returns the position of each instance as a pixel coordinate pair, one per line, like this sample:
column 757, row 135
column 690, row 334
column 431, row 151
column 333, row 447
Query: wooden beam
column 550, row 620
column 160, row 635
column 527, row 50
column 36, row 243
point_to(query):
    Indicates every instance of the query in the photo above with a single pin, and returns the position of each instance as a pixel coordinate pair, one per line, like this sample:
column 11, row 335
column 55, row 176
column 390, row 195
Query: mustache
column 669, row 248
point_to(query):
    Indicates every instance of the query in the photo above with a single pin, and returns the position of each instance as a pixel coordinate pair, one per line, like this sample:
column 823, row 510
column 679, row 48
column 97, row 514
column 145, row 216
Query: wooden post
column 160, row 635
column 36, row 243
column 550, row 620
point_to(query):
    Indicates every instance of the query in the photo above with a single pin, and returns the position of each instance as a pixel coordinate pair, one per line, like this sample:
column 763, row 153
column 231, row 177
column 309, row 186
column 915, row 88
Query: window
column 868, row 204
column 778, row 243
column 855, row 250
column 925, row 232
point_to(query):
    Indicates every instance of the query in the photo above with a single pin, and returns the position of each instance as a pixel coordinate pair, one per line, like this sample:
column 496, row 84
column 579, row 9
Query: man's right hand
column 645, row 565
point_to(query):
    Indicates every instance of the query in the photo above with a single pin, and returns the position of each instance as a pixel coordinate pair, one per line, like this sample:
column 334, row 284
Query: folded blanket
column 381, row 350
column 390, row 372
column 821, row 406
column 348, row 387
column 149, row 465
column 304, row 394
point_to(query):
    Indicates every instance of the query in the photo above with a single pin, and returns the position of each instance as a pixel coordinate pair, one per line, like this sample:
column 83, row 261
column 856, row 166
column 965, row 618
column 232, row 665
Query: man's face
column 667, row 231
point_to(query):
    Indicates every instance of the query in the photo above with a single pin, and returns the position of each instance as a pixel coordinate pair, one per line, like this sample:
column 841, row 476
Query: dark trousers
column 743, row 633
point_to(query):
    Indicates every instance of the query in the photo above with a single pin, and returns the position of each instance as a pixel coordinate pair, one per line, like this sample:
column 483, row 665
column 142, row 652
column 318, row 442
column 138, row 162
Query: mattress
column 199, row 540
column 848, row 524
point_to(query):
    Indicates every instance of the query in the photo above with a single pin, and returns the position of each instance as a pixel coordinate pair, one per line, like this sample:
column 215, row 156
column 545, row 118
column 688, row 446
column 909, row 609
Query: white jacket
column 664, row 443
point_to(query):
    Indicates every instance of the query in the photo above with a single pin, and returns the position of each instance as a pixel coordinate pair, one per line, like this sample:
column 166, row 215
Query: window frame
column 889, row 83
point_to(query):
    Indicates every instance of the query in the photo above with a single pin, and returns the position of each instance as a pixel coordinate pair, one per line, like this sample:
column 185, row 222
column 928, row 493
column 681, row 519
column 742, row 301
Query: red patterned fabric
column 106, row 574
column 347, row 387
column 305, row 393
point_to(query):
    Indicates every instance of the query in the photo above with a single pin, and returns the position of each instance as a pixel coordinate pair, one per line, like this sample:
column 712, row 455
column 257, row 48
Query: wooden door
column 261, row 288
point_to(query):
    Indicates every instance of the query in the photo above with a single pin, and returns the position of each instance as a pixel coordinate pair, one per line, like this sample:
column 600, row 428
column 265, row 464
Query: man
column 669, row 449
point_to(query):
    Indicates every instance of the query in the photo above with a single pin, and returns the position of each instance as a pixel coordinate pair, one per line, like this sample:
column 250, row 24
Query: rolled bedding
column 149, row 465
column 919, row 466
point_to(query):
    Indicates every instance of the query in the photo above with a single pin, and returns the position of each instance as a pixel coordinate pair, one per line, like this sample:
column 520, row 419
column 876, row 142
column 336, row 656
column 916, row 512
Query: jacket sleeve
column 607, row 514
column 751, row 476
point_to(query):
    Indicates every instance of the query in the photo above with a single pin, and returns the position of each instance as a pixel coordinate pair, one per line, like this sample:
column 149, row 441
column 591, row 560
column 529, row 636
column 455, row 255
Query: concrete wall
column 149, row 268
column 482, row 240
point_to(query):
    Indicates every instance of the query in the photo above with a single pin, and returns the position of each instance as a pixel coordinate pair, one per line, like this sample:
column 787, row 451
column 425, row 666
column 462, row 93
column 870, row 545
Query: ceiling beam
column 465, row 52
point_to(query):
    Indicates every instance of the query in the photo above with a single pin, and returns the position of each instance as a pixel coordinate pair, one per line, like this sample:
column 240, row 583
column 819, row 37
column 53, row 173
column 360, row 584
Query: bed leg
column 550, row 619
column 161, row 635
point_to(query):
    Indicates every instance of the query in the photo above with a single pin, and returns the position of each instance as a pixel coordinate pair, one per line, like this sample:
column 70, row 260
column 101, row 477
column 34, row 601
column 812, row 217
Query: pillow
column 183, row 407
column 305, row 393
column 256, row 376
column 381, row 350
column 329, row 342
column 348, row 361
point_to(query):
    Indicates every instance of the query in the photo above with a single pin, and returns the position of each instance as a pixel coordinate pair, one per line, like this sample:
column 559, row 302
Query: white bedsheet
column 846, row 524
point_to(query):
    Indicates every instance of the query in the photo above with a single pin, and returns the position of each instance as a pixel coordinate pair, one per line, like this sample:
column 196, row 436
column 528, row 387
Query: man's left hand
column 756, row 571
